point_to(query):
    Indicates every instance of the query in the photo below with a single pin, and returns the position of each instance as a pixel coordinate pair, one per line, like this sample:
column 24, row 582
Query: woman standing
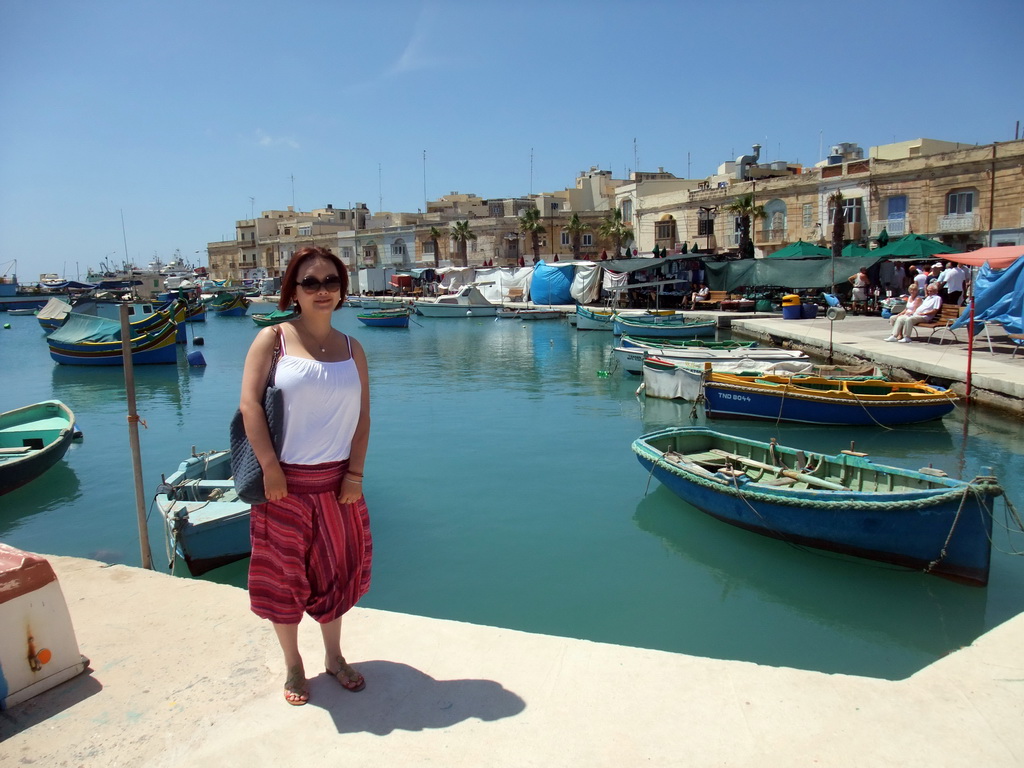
column 311, row 546
column 859, row 296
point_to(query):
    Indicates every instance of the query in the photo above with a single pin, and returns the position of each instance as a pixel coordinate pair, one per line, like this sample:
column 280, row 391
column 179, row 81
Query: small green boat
column 263, row 319
column 33, row 439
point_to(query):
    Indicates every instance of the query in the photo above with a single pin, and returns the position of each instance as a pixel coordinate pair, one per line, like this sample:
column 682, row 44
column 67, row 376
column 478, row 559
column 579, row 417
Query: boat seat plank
column 801, row 477
column 15, row 451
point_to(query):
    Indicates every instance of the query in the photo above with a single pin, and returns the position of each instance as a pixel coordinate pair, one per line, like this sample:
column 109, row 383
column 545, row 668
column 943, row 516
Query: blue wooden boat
column 86, row 340
column 33, row 439
column 206, row 524
column 829, row 400
column 228, row 304
column 662, row 327
column 842, row 503
column 386, row 318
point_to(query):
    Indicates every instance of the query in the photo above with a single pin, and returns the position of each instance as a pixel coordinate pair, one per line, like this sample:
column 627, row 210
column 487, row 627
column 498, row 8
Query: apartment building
column 967, row 196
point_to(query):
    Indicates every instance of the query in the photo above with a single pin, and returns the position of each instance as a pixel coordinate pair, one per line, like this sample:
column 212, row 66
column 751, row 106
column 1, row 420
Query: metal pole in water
column 133, row 436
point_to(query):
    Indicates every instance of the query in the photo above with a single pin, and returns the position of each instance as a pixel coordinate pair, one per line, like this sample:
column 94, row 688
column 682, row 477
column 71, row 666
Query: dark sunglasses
column 330, row 284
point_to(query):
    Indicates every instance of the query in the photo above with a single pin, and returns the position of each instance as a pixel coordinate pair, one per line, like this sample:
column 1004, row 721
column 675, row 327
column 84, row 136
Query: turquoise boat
column 662, row 327
column 843, row 503
column 33, row 439
column 263, row 319
column 206, row 524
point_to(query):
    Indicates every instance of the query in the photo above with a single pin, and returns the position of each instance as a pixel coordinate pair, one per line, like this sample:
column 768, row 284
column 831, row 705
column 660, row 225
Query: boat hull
column 725, row 400
column 205, row 521
column 48, row 425
column 429, row 309
column 667, row 329
column 385, row 318
column 157, row 348
column 935, row 524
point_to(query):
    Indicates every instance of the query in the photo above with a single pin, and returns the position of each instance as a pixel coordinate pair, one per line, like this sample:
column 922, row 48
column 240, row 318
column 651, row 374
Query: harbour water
column 503, row 491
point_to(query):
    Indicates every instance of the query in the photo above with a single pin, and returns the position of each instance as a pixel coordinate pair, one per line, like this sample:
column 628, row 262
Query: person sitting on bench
column 925, row 313
column 701, row 294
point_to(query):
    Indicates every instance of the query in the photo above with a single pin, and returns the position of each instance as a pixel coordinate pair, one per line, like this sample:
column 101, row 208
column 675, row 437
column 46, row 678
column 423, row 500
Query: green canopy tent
column 913, row 246
column 800, row 250
column 852, row 249
column 789, row 273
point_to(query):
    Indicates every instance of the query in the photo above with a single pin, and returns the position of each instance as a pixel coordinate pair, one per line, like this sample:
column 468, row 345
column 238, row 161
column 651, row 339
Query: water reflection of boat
column 102, row 387
column 60, row 489
column 923, row 617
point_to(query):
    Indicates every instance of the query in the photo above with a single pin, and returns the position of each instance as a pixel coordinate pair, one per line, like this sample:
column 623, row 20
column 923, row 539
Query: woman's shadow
column 400, row 697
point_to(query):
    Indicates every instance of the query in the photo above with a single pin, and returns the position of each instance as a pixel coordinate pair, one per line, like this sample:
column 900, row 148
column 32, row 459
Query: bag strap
column 277, row 353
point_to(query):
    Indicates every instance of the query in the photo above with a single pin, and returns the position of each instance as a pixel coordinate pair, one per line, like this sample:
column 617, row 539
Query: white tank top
column 321, row 407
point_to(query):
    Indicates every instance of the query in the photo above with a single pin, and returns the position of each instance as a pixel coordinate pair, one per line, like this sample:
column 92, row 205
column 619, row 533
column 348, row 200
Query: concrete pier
column 183, row 675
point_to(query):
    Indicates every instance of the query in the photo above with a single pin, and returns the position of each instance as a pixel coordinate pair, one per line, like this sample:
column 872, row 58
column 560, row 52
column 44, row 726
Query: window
column 287, row 230
column 665, row 230
column 852, row 208
column 565, row 238
column 896, row 207
column 554, row 208
column 305, row 231
column 705, row 222
column 959, row 202
column 398, row 248
column 497, row 210
column 587, row 240
column 808, row 211
column 627, row 210
column 428, row 248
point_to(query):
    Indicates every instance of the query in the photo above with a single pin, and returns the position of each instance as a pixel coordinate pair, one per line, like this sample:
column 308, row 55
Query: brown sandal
column 349, row 679
column 296, row 689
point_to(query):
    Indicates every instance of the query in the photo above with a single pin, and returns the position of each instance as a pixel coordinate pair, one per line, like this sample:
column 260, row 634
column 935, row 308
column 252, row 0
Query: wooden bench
column 514, row 294
column 714, row 299
column 943, row 322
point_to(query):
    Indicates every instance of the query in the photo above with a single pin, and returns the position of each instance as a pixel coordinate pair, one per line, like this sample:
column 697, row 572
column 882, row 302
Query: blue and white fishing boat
column 206, row 524
column 842, row 503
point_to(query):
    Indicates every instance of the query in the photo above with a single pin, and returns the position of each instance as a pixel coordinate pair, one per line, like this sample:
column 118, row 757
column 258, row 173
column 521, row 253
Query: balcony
column 770, row 236
column 892, row 227
column 960, row 222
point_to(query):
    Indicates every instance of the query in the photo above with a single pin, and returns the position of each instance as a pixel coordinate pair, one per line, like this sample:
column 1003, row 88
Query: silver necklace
column 321, row 343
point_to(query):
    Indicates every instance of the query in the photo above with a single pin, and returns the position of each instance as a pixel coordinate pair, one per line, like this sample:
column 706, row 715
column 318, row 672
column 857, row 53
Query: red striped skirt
column 310, row 554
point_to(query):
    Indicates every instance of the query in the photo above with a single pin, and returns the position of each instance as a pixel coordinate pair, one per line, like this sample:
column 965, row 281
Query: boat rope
column 136, row 419
column 1012, row 524
column 952, row 528
column 982, row 485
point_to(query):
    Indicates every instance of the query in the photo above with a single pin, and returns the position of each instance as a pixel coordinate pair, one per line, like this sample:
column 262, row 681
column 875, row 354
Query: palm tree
column 613, row 228
column 747, row 212
column 575, row 228
column 835, row 202
column 529, row 222
column 461, row 235
column 435, row 237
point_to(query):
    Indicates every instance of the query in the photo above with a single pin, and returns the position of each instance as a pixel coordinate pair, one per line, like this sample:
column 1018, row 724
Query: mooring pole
column 133, row 436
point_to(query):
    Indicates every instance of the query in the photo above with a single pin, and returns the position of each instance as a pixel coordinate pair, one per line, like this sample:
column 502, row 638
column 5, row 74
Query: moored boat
column 838, row 400
column 631, row 353
column 206, row 523
column 86, row 340
column 386, row 318
column 842, row 503
column 33, row 439
column 228, row 304
column 264, row 319
column 662, row 327
column 467, row 302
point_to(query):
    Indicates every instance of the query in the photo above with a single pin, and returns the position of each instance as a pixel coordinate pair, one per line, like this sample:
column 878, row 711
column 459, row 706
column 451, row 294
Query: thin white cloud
column 418, row 52
column 263, row 139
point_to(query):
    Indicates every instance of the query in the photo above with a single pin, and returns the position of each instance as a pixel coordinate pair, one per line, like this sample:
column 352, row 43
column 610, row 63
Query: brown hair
column 290, row 280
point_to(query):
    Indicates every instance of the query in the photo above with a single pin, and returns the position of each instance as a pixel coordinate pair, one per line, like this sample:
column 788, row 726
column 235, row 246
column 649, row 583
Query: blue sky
column 176, row 114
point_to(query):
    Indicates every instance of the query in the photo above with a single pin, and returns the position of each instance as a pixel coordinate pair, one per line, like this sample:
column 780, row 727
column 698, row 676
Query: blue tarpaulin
column 551, row 284
column 999, row 297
